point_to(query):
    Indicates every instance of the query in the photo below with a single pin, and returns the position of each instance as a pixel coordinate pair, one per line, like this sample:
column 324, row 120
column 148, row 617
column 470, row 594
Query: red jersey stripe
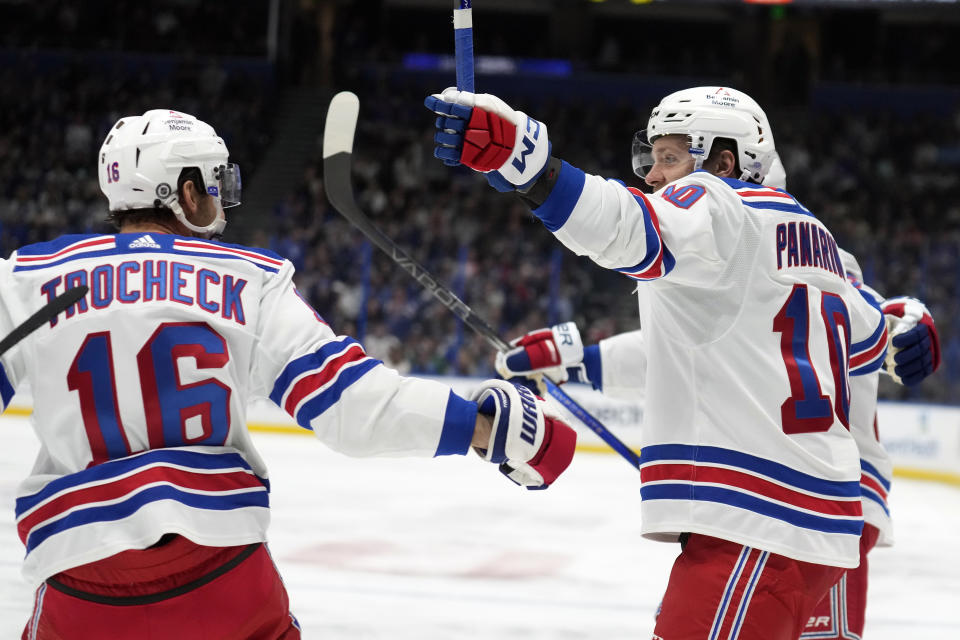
column 310, row 383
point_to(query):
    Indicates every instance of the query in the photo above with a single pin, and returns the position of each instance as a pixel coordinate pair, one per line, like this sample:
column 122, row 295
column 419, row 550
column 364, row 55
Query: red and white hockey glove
column 482, row 132
column 546, row 351
column 532, row 445
column 914, row 350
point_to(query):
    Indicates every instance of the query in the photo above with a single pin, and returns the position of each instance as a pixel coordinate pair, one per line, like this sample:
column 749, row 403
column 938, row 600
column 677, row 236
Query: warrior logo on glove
column 532, row 445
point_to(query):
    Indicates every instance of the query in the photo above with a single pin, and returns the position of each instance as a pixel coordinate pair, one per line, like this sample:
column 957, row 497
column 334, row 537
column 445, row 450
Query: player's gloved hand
column 914, row 349
column 532, row 444
column 482, row 132
column 546, row 351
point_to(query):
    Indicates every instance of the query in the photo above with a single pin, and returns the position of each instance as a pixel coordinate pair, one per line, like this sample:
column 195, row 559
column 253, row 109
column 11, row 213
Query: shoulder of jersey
column 74, row 247
column 63, row 249
column 263, row 258
column 754, row 196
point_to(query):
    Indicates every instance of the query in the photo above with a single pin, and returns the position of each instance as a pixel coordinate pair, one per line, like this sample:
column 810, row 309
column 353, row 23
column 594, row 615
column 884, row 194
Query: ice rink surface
column 448, row 549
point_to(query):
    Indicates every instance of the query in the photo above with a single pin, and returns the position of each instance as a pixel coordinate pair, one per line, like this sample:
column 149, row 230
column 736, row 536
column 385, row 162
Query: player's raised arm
column 747, row 320
column 620, row 228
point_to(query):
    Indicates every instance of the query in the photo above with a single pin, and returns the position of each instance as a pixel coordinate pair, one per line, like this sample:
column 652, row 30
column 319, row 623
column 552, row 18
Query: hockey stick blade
column 44, row 314
column 337, row 156
column 338, row 137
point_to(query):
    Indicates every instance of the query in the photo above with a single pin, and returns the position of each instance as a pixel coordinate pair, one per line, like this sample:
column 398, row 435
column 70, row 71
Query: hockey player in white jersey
column 751, row 328
column 913, row 353
column 148, row 504
column 616, row 366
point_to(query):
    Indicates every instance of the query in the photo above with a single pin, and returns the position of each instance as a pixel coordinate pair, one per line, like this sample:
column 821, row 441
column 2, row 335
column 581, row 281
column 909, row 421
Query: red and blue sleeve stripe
column 867, row 355
column 557, row 208
column 873, row 485
column 658, row 261
column 313, row 383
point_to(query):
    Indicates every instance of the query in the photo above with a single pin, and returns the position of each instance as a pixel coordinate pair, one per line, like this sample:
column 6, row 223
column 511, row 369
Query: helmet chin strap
column 211, row 231
column 697, row 149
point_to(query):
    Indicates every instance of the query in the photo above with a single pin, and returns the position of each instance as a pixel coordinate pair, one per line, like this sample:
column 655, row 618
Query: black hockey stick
column 337, row 156
column 44, row 314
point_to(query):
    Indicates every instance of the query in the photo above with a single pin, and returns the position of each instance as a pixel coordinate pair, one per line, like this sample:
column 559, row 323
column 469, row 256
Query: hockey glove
column 544, row 351
column 482, row 132
column 531, row 444
column 914, row 350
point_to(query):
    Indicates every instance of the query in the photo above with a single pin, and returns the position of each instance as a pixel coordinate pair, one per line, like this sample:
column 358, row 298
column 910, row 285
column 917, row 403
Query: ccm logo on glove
column 482, row 132
column 520, row 163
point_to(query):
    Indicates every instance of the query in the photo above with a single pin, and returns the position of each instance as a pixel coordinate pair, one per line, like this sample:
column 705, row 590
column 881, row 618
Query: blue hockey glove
column 482, row 132
column 914, row 351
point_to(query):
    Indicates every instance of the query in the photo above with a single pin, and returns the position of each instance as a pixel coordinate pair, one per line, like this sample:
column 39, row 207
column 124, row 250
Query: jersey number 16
column 168, row 404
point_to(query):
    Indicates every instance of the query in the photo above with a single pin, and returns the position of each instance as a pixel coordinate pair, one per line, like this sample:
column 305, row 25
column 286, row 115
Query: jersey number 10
column 808, row 409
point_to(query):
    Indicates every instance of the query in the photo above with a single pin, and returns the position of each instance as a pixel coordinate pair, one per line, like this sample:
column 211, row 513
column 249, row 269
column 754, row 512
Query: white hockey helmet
column 143, row 156
column 704, row 114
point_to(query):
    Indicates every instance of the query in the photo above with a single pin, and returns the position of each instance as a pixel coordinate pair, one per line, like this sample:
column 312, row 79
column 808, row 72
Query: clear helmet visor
column 641, row 154
column 226, row 184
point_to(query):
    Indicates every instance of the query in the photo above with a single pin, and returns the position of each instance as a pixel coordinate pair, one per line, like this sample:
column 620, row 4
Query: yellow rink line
column 945, row 477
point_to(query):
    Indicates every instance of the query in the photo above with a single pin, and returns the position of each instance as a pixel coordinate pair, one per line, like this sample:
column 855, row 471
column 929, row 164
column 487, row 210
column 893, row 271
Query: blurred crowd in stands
column 54, row 115
column 184, row 27
column 887, row 185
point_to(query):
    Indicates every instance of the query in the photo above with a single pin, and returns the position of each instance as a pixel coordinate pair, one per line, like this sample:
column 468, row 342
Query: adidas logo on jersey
column 144, row 242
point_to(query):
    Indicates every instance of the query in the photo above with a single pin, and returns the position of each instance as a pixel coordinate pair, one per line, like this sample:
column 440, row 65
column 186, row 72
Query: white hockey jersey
column 876, row 467
column 751, row 327
column 623, row 375
column 141, row 388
